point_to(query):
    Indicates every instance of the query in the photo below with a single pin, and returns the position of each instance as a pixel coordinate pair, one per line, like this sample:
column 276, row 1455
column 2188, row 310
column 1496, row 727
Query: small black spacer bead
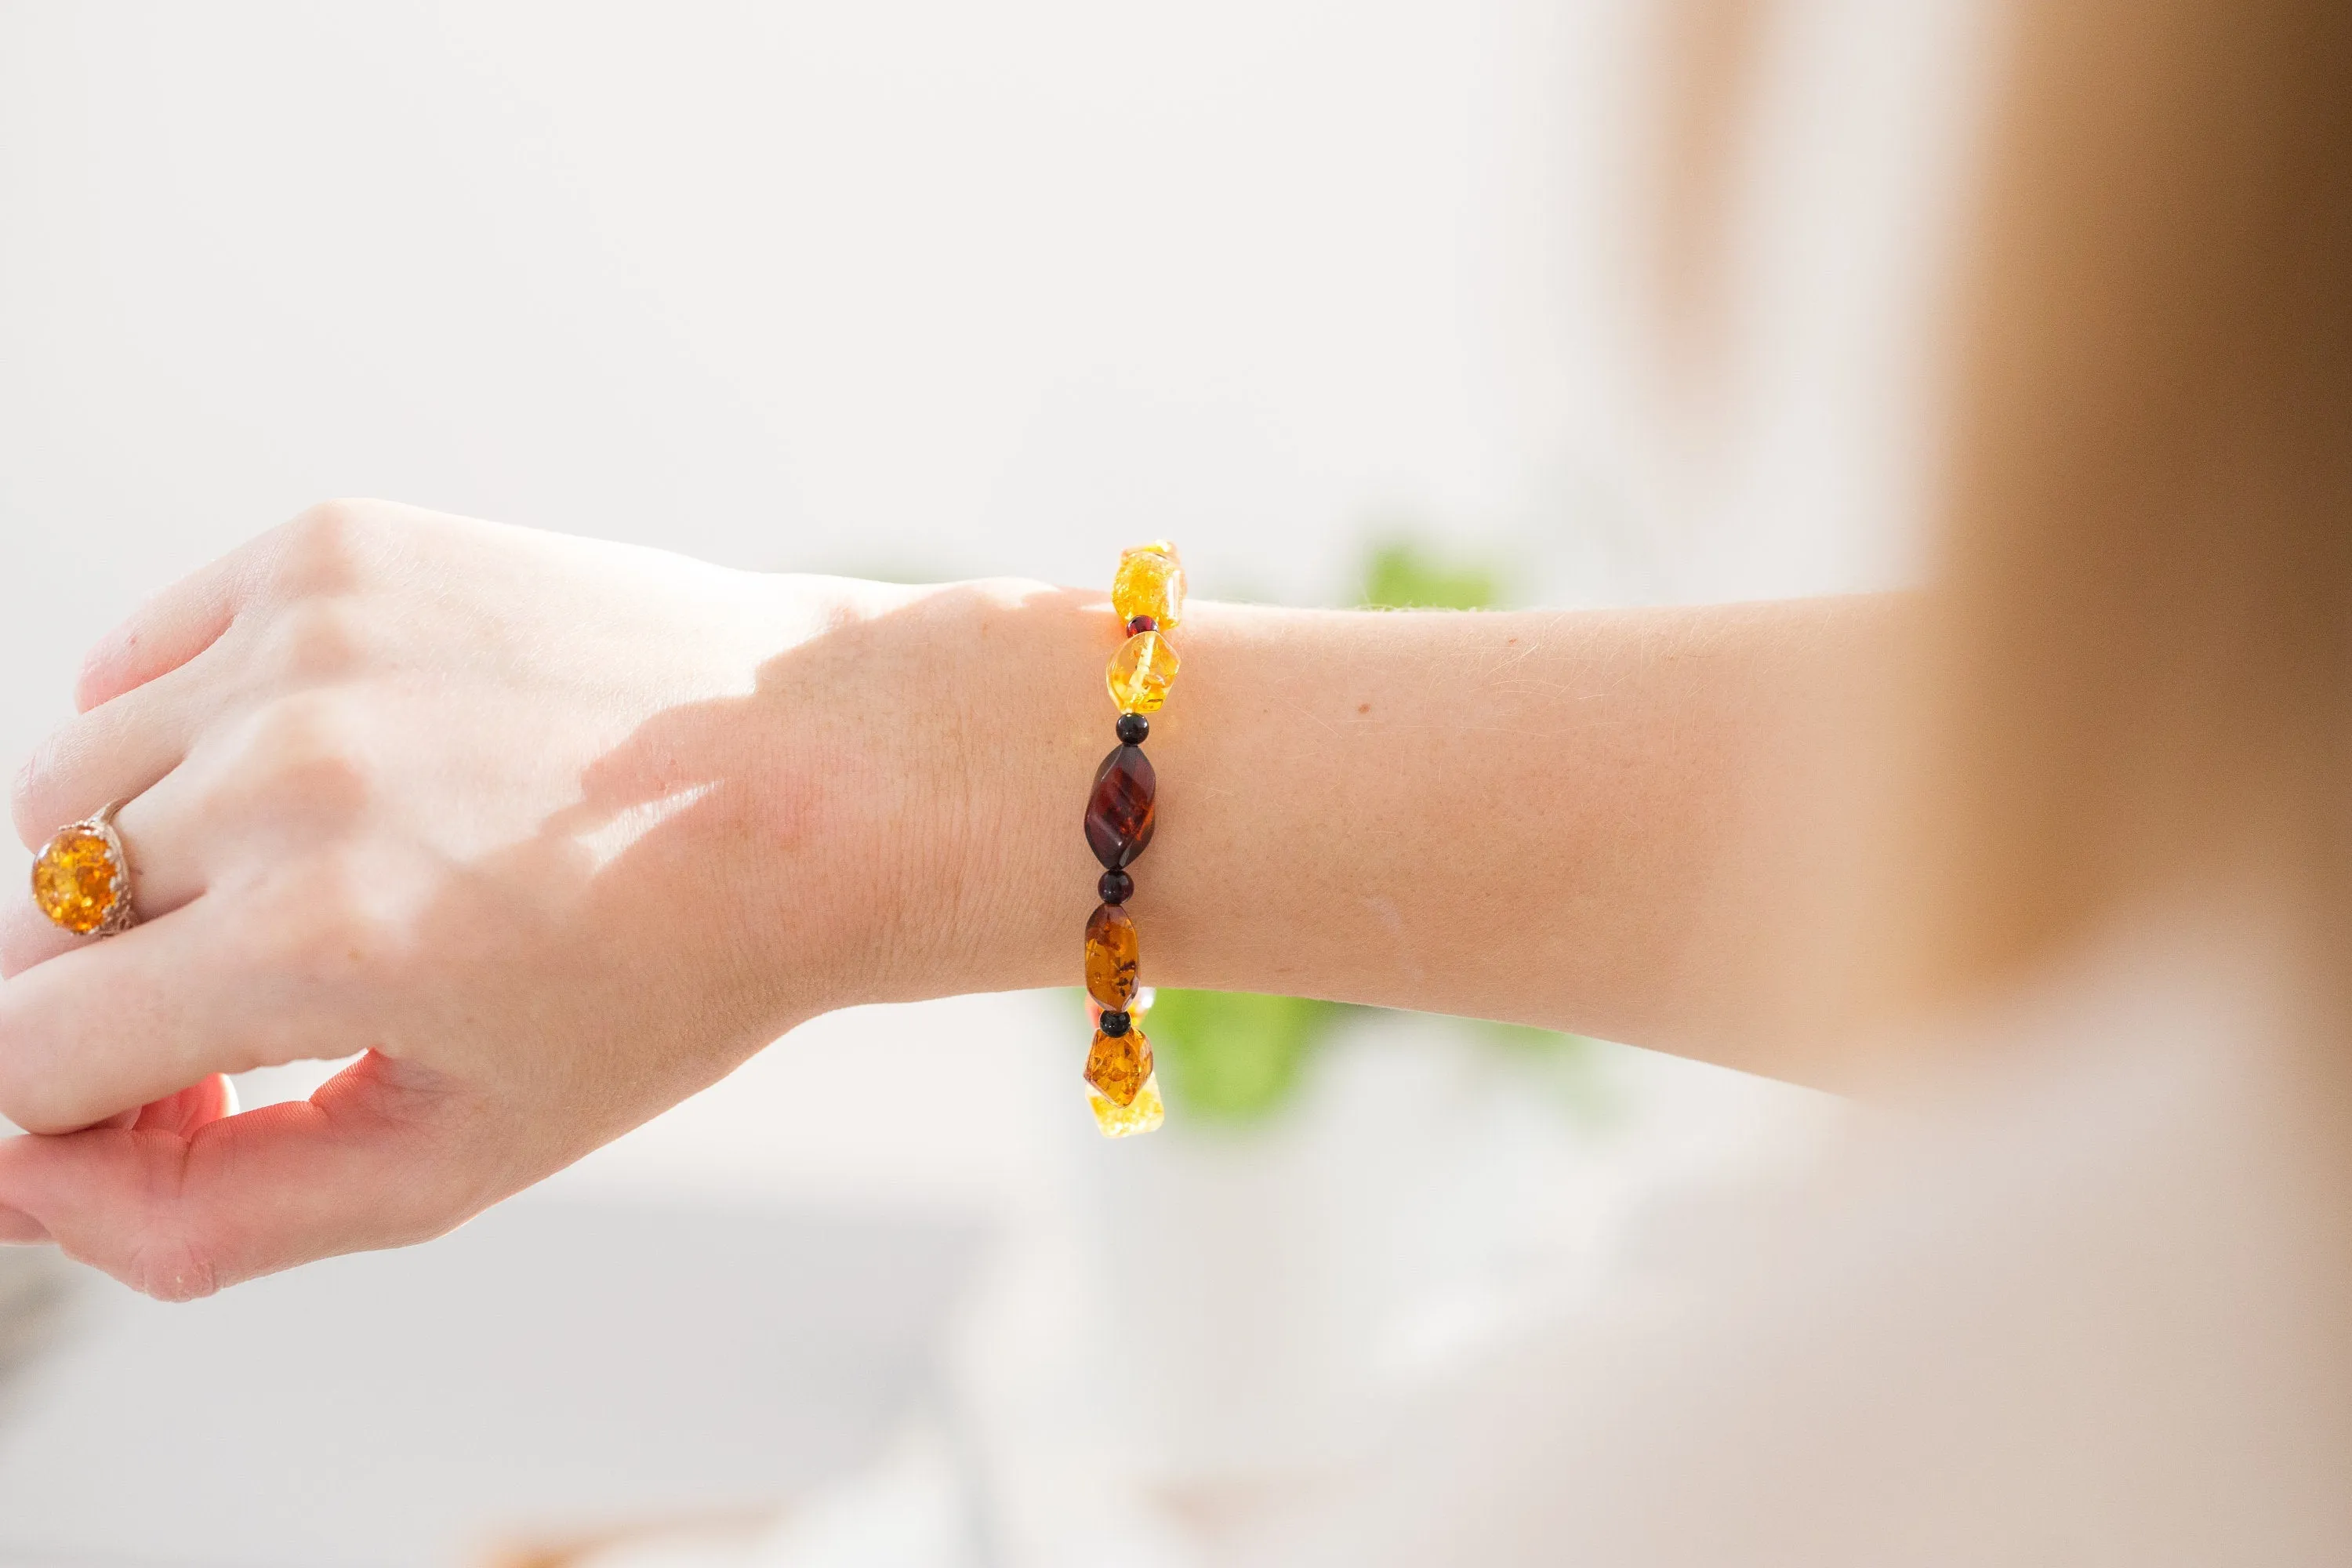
column 1116, row 887
column 1114, row 1023
column 1133, row 728
column 1141, row 624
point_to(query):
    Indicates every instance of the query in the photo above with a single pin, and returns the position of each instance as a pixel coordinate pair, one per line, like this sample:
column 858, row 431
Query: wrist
column 908, row 756
column 993, row 881
column 1007, row 788
column 1006, row 894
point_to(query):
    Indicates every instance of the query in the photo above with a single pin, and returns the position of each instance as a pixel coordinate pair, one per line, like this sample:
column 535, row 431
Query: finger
column 233, row 982
column 112, row 753
column 183, row 1112
column 167, row 632
column 29, row 937
column 316, row 552
column 197, row 1106
column 172, row 835
column 376, row 1157
column 172, row 626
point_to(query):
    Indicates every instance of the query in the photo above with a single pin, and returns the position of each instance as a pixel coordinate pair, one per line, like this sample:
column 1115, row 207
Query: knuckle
column 315, row 639
column 31, row 791
column 44, row 795
column 324, row 548
column 179, row 1251
column 432, row 1212
column 94, row 677
column 175, row 1268
column 296, row 729
column 300, row 764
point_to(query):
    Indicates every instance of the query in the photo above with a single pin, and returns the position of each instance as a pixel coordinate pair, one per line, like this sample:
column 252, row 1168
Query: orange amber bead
column 1119, row 813
column 1118, row 1065
column 1112, row 952
column 1150, row 582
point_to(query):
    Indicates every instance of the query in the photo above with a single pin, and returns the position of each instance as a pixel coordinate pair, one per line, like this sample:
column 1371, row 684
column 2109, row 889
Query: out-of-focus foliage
column 1233, row 1055
column 1567, row 1064
column 1403, row 575
column 1237, row 1056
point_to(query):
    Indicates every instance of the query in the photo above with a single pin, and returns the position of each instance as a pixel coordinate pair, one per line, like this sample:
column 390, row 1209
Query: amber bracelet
column 1148, row 595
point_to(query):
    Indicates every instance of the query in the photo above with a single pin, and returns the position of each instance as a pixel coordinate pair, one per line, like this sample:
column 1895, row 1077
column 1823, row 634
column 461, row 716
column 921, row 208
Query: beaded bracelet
column 1149, row 595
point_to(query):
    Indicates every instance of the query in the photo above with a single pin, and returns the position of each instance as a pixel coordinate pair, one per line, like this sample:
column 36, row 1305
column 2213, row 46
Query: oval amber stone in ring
column 75, row 881
column 1141, row 673
column 1119, row 813
column 1113, row 952
column 1150, row 582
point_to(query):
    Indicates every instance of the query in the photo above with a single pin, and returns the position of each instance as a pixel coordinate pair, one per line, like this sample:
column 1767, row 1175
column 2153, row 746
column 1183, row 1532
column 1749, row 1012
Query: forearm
column 1548, row 817
column 551, row 833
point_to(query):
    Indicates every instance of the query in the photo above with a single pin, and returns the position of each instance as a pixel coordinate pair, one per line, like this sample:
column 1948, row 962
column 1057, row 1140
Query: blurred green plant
column 1237, row 1057
column 1234, row 1056
column 1401, row 574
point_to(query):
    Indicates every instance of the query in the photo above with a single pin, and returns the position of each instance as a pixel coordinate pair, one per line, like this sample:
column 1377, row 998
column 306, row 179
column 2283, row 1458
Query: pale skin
column 558, row 833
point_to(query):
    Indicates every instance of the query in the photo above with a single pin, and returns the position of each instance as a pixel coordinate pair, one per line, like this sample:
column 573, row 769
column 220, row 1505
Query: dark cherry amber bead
column 1116, row 887
column 1119, row 813
column 1141, row 624
column 1112, row 952
column 1115, row 1022
column 1134, row 728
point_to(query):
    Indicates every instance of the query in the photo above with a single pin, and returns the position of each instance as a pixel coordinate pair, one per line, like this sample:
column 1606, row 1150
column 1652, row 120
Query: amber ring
column 81, row 879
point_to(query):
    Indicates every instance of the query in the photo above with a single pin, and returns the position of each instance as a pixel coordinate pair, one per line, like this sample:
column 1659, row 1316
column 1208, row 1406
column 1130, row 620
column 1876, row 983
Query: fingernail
column 19, row 1228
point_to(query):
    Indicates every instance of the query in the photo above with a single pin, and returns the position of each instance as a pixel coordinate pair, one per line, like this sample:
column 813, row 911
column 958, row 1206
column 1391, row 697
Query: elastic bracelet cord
column 1148, row 593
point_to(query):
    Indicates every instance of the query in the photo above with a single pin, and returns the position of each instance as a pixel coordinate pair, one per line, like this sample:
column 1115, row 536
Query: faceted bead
column 1116, row 887
column 1141, row 673
column 1143, row 1115
column 1112, row 951
column 1119, row 813
column 1117, row 1066
column 1141, row 624
column 1150, row 582
column 74, row 881
column 1133, row 728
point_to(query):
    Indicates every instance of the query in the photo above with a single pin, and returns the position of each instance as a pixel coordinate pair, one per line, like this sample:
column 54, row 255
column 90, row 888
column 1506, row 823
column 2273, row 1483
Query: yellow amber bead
column 1141, row 672
column 74, row 881
column 1118, row 1064
column 1144, row 1115
column 1150, row 582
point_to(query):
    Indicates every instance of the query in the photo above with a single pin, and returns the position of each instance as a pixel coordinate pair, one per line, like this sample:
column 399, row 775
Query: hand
column 548, row 832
